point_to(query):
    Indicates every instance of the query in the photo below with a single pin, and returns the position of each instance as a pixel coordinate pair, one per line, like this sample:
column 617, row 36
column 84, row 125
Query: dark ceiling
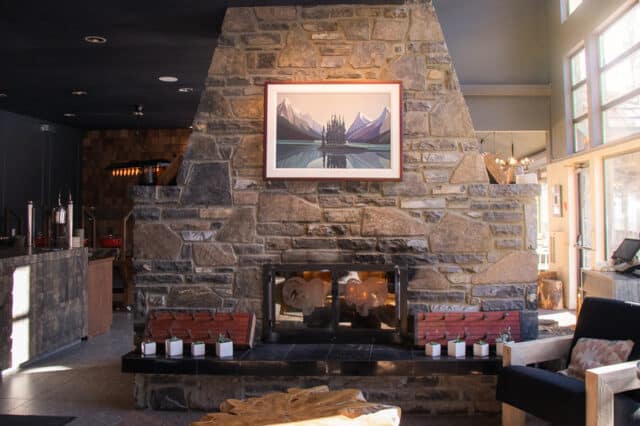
column 44, row 57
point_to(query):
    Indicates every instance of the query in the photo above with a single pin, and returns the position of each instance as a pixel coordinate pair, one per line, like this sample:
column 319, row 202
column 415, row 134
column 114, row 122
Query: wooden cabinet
column 100, row 296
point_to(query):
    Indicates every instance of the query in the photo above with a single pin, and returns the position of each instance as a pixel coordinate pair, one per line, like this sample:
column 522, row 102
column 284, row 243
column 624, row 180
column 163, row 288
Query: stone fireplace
column 465, row 244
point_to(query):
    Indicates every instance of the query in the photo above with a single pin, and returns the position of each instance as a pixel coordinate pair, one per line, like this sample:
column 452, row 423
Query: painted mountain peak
column 377, row 131
column 292, row 124
column 359, row 122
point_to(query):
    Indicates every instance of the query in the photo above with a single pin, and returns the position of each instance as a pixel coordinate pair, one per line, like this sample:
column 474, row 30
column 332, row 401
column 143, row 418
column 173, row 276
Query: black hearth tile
column 283, row 368
column 351, row 352
column 390, row 353
column 424, row 365
column 268, row 352
column 218, row 366
column 309, row 352
column 352, row 368
column 135, row 363
column 178, row 365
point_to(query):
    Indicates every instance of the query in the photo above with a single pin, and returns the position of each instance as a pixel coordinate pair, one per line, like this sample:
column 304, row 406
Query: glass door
column 585, row 226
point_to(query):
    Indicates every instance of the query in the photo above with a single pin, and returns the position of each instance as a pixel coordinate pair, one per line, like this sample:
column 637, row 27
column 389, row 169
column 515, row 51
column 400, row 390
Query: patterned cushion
column 591, row 353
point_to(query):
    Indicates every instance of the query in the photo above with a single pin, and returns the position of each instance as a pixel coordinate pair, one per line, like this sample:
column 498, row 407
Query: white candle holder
column 173, row 347
column 456, row 349
column 481, row 349
column 433, row 349
column 197, row 349
column 224, row 349
column 148, row 348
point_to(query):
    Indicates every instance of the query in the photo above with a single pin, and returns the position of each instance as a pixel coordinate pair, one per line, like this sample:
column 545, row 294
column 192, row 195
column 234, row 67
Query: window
column 572, row 5
column 620, row 76
column 622, row 199
column 579, row 100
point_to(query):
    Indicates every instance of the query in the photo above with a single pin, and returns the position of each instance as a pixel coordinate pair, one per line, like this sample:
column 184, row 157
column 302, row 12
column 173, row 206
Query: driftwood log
column 309, row 407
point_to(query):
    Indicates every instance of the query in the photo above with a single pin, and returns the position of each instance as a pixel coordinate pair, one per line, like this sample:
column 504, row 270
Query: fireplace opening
column 335, row 303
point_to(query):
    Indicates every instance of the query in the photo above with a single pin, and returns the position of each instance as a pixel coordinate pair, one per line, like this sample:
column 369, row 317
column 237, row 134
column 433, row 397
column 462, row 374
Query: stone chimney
column 469, row 244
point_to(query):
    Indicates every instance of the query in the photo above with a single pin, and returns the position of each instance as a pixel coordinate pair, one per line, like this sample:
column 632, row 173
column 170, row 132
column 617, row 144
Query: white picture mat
column 392, row 173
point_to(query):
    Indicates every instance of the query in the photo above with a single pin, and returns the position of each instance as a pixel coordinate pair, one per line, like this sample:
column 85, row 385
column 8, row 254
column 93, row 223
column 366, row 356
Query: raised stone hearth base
column 437, row 394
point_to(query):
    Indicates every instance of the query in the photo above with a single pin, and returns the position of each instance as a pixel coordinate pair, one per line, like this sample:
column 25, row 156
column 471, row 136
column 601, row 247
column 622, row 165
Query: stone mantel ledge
column 150, row 194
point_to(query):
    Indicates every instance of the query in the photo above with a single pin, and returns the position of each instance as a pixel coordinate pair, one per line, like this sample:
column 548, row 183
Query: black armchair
column 564, row 400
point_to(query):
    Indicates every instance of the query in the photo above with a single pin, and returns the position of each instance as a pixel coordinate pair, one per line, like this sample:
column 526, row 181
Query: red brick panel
column 471, row 326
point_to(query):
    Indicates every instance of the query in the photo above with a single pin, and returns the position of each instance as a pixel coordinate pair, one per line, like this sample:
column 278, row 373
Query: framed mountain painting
column 337, row 130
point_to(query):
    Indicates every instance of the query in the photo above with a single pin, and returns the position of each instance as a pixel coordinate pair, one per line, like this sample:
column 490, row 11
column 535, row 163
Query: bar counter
column 43, row 294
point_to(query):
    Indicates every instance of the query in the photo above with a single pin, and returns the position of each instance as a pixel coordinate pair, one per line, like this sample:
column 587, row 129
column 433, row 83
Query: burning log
column 297, row 407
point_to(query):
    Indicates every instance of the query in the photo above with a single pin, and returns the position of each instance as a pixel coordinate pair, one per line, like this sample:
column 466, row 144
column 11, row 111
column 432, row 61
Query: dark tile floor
column 85, row 381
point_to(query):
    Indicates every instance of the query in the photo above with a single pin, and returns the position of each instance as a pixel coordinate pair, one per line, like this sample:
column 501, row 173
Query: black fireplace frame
column 271, row 334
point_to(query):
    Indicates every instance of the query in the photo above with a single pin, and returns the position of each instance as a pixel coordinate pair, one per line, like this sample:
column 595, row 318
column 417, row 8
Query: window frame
column 608, row 250
column 572, row 87
column 602, row 68
column 565, row 9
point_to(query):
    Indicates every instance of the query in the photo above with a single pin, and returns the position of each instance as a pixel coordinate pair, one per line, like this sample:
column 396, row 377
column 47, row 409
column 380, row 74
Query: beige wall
column 581, row 27
column 563, row 230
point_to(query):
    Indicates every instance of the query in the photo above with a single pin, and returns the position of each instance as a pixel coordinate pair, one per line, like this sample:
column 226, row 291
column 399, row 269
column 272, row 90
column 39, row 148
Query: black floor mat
column 15, row 420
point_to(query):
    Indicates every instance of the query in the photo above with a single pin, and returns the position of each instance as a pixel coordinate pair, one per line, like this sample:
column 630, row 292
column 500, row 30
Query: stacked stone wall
column 469, row 245
column 436, row 395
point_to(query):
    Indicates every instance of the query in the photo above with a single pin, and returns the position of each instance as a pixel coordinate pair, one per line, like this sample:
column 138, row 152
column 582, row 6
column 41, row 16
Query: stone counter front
column 57, row 308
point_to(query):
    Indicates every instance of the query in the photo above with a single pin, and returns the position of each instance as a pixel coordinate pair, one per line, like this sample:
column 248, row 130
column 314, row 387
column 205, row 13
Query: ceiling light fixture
column 95, row 39
column 185, row 89
column 69, row 114
column 168, row 78
column 3, row 95
column 79, row 92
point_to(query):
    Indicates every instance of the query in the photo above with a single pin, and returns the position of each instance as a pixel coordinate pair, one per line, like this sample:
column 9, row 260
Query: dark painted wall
column 500, row 42
column 35, row 165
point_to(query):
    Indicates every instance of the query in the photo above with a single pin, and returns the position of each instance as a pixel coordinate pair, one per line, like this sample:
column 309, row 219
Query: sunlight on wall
column 20, row 315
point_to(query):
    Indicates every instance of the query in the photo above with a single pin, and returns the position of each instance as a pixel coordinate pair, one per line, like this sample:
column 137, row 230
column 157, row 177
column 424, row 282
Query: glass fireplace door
column 336, row 303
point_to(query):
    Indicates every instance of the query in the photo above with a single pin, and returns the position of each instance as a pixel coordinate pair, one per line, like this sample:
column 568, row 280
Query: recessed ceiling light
column 185, row 89
column 95, row 39
column 70, row 114
column 79, row 92
column 168, row 78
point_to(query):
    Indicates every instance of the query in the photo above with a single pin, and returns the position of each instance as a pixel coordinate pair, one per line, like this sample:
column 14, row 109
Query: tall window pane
column 572, row 5
column 581, row 135
column 580, row 106
column 621, row 120
column 620, row 36
column 622, row 198
column 578, row 67
column 621, row 78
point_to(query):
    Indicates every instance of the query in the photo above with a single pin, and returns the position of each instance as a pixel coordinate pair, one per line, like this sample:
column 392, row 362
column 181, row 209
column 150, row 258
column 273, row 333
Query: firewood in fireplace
column 296, row 407
column 305, row 295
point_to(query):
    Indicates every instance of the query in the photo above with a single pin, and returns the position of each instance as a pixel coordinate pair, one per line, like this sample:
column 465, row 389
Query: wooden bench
column 201, row 325
column 470, row 326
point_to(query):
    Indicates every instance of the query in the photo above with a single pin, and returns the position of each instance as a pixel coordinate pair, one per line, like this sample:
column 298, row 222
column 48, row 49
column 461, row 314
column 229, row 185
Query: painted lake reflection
column 313, row 155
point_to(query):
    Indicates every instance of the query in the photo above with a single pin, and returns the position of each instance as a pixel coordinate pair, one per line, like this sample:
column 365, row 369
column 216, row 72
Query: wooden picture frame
column 347, row 130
